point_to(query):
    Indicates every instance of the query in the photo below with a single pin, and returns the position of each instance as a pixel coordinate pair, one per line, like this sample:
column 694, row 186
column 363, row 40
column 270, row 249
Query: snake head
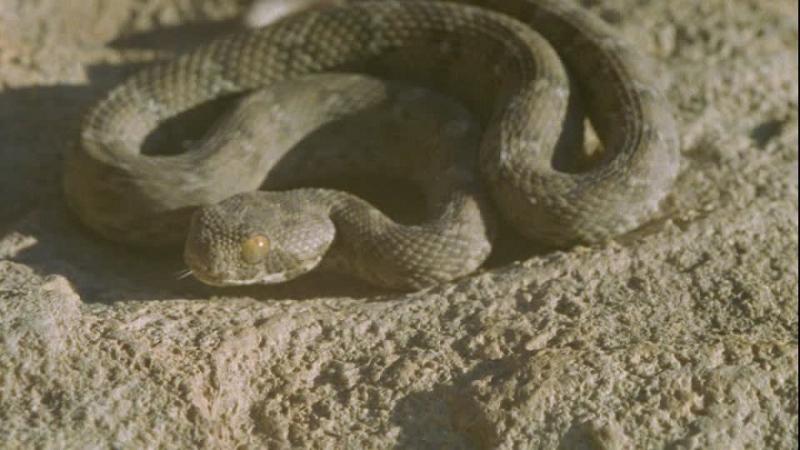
column 256, row 238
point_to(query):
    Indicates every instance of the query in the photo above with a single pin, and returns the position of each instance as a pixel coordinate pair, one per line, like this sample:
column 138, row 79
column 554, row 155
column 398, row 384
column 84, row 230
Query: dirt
column 681, row 335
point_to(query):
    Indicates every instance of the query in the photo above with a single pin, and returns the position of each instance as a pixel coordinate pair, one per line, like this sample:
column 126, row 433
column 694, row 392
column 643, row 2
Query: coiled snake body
column 504, row 59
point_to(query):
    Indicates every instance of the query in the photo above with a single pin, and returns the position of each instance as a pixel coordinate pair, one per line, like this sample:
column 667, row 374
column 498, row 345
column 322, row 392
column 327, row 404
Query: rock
column 682, row 335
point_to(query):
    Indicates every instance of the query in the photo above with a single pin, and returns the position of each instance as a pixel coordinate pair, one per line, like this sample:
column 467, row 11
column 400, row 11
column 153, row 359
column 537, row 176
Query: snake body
column 511, row 62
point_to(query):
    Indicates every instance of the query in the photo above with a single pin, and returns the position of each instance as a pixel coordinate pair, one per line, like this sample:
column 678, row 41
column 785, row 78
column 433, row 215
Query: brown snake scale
column 525, row 69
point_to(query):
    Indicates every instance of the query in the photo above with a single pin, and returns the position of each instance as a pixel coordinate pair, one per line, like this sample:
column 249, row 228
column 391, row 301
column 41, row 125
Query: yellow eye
column 255, row 249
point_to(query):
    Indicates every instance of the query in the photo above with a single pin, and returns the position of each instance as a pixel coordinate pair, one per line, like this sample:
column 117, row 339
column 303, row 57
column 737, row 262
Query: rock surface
column 683, row 335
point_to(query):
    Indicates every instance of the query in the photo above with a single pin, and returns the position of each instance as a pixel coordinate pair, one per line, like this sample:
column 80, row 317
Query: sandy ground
column 683, row 335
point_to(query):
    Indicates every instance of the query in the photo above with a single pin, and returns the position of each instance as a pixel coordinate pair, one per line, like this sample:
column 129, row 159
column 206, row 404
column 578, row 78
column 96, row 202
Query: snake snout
column 199, row 266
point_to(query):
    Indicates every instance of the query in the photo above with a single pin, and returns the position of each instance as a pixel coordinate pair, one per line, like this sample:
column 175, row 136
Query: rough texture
column 684, row 336
column 511, row 77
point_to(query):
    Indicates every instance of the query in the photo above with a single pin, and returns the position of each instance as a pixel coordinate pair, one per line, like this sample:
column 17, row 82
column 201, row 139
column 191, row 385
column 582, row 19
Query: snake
column 529, row 71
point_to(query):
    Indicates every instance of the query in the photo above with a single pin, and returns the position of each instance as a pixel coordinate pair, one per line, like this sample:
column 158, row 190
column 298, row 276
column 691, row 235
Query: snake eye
column 255, row 249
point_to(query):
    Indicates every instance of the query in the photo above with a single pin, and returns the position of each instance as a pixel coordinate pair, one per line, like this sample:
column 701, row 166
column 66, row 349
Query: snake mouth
column 212, row 280
column 220, row 280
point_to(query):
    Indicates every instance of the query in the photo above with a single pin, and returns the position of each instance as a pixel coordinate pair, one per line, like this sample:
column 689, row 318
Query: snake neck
column 452, row 241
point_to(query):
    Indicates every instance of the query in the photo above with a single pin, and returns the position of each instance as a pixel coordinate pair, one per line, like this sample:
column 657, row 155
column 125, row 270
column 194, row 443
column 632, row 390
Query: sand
column 682, row 335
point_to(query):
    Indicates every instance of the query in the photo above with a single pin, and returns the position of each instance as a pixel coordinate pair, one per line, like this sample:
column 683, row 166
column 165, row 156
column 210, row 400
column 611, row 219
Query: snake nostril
column 193, row 259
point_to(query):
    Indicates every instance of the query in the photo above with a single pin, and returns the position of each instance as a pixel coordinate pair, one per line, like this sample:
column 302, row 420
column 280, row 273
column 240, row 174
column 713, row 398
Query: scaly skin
column 487, row 56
